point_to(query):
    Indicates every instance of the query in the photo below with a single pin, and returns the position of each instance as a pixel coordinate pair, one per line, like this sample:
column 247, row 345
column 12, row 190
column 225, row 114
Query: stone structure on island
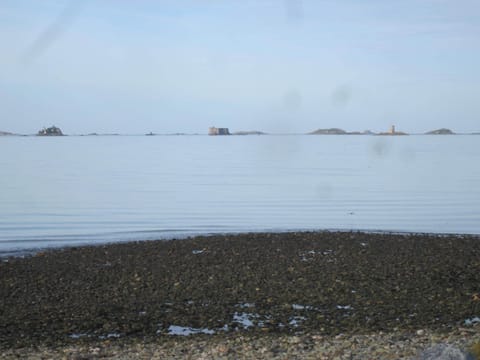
column 442, row 131
column 393, row 132
column 218, row 131
column 51, row 131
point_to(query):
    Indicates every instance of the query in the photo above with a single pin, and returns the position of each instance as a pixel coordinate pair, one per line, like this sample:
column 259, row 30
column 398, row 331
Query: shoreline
column 32, row 251
column 270, row 286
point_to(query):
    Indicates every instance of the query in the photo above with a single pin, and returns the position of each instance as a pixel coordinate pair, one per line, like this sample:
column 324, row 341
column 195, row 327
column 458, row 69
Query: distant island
column 5, row 133
column 442, row 131
column 336, row 131
column 331, row 131
column 51, row 131
column 253, row 132
column 225, row 131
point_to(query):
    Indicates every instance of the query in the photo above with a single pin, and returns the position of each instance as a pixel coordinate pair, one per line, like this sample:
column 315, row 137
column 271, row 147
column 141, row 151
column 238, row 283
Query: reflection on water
column 57, row 191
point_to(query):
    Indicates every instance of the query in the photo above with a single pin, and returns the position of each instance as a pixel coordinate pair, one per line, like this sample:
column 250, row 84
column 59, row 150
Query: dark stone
column 51, row 131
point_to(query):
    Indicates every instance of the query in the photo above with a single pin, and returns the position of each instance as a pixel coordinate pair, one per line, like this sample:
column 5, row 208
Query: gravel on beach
column 285, row 295
column 395, row 345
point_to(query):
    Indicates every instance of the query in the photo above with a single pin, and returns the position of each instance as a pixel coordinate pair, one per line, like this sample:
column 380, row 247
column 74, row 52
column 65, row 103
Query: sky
column 284, row 66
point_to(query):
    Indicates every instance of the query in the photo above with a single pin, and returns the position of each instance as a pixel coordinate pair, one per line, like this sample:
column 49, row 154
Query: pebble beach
column 319, row 295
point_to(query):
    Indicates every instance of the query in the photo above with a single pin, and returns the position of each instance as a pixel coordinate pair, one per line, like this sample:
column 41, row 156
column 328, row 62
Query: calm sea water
column 75, row 190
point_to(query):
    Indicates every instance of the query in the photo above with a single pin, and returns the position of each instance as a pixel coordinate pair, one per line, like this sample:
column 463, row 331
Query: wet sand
column 257, row 286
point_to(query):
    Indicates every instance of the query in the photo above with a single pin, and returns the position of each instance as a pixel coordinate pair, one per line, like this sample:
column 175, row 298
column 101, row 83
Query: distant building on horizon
column 392, row 131
column 218, row 131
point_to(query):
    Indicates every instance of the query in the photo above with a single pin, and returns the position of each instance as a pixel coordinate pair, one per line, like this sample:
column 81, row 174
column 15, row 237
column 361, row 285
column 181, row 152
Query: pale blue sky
column 277, row 66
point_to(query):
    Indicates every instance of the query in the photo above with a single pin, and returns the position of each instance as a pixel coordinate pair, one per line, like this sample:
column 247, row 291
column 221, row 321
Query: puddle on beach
column 472, row 321
column 310, row 255
column 296, row 321
column 304, row 307
column 185, row 331
column 241, row 320
column 101, row 337
column 250, row 320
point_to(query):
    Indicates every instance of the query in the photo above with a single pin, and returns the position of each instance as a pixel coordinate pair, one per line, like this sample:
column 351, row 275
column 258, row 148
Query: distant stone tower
column 218, row 131
column 392, row 129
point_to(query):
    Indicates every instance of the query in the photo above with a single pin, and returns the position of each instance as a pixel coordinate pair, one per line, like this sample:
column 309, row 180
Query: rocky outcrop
column 51, row 131
column 442, row 131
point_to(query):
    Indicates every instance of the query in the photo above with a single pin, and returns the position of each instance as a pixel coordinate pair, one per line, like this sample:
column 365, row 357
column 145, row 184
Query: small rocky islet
column 50, row 131
column 441, row 131
column 258, row 284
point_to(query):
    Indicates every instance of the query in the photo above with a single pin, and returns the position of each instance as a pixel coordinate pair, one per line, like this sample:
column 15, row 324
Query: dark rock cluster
column 51, row 131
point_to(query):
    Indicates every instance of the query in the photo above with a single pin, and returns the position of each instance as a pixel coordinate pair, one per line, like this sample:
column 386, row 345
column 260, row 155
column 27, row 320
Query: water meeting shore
column 265, row 294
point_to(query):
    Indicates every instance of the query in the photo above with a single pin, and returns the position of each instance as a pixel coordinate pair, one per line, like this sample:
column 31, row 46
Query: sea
column 77, row 190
